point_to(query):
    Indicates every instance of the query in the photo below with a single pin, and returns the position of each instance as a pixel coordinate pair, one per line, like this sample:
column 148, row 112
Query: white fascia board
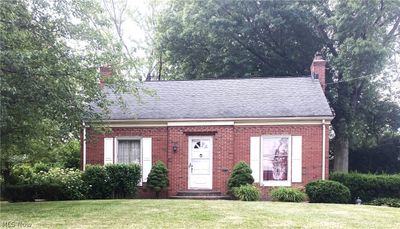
column 320, row 118
column 217, row 123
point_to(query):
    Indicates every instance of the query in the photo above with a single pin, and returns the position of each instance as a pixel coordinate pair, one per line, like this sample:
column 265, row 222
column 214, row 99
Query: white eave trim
column 218, row 122
column 320, row 118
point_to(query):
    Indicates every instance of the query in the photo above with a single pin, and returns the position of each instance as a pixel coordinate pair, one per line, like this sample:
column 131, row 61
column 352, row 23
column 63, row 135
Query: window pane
column 275, row 158
column 128, row 151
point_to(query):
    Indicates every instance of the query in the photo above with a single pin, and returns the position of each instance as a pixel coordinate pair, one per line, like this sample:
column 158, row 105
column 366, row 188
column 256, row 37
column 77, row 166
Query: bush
column 123, row 179
column 158, row 178
column 21, row 174
column 20, row 192
column 326, row 191
column 40, row 166
column 247, row 192
column 288, row 195
column 369, row 186
column 29, row 192
column 391, row 202
column 241, row 175
column 69, row 179
column 98, row 182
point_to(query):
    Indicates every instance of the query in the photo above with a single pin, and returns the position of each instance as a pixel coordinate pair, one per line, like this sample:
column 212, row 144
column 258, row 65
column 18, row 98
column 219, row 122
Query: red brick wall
column 95, row 143
column 223, row 153
column 230, row 145
column 312, row 147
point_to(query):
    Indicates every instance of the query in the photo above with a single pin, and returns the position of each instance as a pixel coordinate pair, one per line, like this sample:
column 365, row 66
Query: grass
column 195, row 214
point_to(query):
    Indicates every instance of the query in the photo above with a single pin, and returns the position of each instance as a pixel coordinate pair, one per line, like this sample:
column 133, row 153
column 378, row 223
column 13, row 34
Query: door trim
column 211, row 160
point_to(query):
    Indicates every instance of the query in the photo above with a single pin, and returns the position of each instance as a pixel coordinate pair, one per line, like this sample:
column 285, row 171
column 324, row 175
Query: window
column 129, row 151
column 275, row 160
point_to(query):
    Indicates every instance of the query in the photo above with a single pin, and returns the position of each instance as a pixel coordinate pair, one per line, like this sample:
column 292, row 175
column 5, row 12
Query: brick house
column 201, row 129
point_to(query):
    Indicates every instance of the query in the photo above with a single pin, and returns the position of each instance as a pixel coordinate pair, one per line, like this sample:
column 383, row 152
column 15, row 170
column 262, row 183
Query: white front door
column 200, row 162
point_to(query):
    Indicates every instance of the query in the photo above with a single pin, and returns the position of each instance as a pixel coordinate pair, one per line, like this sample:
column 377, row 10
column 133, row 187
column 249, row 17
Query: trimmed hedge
column 391, row 202
column 247, row 192
column 288, row 194
column 326, row 191
column 98, row 182
column 124, row 179
column 241, row 175
column 30, row 192
column 369, row 186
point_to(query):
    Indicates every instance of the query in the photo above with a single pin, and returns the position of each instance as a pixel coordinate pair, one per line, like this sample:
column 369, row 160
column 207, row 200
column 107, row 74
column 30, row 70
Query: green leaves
column 50, row 55
column 220, row 39
column 157, row 179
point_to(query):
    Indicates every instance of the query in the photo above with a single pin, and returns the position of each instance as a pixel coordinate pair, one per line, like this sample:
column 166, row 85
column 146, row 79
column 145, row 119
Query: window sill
column 276, row 183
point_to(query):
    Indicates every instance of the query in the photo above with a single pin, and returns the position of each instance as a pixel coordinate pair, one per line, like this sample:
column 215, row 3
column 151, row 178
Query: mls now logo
column 12, row 224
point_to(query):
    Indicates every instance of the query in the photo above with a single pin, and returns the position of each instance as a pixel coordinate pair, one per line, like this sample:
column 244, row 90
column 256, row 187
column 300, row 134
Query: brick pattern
column 312, row 147
column 230, row 145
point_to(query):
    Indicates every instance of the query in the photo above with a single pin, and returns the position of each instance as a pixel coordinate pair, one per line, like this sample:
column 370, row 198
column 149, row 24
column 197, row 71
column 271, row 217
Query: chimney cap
column 318, row 58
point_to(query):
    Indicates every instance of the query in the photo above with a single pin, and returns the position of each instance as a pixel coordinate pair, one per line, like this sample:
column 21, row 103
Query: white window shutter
column 255, row 158
column 296, row 158
column 147, row 152
column 108, row 151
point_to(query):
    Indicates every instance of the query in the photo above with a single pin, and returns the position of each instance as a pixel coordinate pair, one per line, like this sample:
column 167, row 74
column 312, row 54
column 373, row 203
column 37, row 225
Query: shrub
column 326, row 191
column 123, row 179
column 158, row 178
column 288, row 194
column 247, row 192
column 29, row 192
column 369, row 186
column 21, row 174
column 98, row 182
column 19, row 192
column 40, row 166
column 69, row 179
column 241, row 175
column 391, row 202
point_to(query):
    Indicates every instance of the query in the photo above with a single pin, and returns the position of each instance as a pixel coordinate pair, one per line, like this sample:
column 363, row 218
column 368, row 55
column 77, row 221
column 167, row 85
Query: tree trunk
column 341, row 156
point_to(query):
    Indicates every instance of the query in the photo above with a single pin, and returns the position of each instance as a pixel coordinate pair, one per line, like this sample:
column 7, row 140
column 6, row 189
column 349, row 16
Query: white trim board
column 142, row 123
column 320, row 118
column 218, row 123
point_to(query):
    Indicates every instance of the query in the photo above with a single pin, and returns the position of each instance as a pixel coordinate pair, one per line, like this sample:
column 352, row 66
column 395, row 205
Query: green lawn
column 195, row 214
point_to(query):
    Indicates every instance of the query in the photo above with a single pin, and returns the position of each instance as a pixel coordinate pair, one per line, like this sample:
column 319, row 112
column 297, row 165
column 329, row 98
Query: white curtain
column 128, row 151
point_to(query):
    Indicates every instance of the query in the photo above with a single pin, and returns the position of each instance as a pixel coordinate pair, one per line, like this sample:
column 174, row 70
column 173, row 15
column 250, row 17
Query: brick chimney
column 105, row 72
column 318, row 69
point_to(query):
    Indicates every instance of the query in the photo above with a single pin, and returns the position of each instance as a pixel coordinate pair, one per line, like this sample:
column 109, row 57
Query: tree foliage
column 214, row 39
column 218, row 39
column 50, row 55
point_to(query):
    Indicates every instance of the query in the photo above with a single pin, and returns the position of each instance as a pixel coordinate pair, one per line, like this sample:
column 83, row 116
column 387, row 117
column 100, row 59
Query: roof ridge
column 220, row 79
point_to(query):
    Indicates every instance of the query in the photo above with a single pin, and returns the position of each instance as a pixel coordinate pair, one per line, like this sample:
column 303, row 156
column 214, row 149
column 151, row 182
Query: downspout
column 323, row 149
column 84, row 147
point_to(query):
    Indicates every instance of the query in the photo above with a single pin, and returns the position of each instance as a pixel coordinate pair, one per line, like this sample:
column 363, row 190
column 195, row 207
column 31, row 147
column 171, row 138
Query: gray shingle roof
column 230, row 98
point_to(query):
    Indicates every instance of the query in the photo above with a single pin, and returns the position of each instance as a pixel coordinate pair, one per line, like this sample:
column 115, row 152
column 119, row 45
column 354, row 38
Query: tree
column 218, row 39
column 358, row 37
column 157, row 179
column 50, row 55
column 241, row 175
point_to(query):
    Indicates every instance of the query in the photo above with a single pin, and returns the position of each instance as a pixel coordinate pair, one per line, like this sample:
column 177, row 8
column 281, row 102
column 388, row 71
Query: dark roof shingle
column 227, row 98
